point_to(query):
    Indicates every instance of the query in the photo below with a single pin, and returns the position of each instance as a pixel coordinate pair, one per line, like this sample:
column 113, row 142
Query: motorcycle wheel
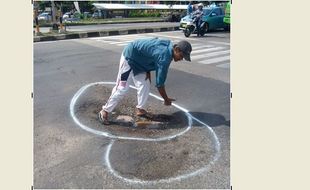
column 187, row 32
column 204, row 29
column 202, row 32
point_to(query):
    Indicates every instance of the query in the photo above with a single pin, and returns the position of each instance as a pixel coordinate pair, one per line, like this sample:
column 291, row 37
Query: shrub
column 143, row 13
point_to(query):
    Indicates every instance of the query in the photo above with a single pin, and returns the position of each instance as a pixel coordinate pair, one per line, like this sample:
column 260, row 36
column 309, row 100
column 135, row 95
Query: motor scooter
column 192, row 29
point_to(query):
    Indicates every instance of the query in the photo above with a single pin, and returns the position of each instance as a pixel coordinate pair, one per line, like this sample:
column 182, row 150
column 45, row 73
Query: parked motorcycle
column 192, row 29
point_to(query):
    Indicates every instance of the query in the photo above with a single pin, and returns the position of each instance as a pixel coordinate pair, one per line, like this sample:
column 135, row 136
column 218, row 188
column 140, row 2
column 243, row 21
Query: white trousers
column 122, row 87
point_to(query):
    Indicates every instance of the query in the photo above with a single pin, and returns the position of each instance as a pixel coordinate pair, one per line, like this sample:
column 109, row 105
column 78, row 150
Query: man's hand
column 148, row 76
column 162, row 92
column 169, row 101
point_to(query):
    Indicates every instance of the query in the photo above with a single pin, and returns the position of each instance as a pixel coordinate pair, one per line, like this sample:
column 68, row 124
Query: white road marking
column 168, row 36
column 197, row 46
column 106, row 134
column 121, row 42
column 225, row 65
column 200, row 56
column 107, row 154
column 206, row 50
column 167, row 180
column 221, row 43
column 116, row 37
column 105, row 41
column 200, row 50
column 191, row 39
column 215, row 60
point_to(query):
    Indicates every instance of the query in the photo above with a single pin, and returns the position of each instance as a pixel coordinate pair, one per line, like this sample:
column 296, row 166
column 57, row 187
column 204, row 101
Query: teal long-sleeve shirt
column 152, row 54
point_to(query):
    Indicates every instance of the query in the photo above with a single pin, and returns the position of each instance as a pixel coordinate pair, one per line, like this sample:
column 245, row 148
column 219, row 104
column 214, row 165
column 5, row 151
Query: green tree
column 44, row 4
column 86, row 6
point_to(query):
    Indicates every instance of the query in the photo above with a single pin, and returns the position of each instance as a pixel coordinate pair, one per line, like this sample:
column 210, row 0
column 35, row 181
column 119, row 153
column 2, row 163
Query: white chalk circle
column 136, row 180
column 106, row 134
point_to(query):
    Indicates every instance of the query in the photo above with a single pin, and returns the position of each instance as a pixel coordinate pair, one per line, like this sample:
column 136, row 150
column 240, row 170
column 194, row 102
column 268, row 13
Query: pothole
column 165, row 121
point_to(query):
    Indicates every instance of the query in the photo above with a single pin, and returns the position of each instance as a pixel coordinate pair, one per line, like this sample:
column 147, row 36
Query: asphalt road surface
column 188, row 147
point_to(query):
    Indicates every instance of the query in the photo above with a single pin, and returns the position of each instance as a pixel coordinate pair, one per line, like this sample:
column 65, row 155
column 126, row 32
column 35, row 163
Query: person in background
column 198, row 17
column 189, row 8
column 138, row 59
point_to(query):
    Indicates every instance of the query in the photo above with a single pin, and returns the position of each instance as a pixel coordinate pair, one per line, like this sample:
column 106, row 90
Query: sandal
column 141, row 112
column 103, row 120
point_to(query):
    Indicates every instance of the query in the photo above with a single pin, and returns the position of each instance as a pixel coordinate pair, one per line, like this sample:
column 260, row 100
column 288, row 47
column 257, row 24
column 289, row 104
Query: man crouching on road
column 138, row 59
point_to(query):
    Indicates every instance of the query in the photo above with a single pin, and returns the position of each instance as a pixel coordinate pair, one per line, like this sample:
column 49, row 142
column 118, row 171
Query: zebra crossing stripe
column 96, row 38
column 105, row 41
column 221, row 43
column 169, row 36
column 194, row 57
column 225, row 65
column 201, row 46
column 121, row 42
column 124, row 43
column 193, row 44
column 215, row 60
column 206, row 50
column 124, row 37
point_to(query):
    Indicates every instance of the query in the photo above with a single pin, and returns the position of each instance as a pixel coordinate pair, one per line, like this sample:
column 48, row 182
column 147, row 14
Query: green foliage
column 66, row 6
column 144, row 13
column 90, row 21
column 43, row 4
column 78, row 15
column 86, row 6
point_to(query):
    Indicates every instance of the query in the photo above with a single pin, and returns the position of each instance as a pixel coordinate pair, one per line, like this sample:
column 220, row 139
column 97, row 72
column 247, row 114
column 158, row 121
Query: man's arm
column 148, row 76
column 163, row 94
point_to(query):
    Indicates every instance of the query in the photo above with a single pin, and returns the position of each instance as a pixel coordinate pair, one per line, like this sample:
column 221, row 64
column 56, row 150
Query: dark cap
column 186, row 49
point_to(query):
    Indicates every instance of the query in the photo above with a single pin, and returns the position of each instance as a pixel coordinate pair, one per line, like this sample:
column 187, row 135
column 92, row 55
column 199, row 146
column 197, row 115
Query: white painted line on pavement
column 107, row 154
column 206, row 50
column 192, row 39
column 167, row 180
column 212, row 54
column 106, row 134
column 105, row 41
column 120, row 42
column 225, row 65
column 215, row 60
column 166, row 36
column 123, row 44
column 221, row 43
column 197, row 46
column 114, row 37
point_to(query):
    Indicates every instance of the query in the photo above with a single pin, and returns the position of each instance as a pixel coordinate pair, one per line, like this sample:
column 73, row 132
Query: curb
column 106, row 22
column 102, row 33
